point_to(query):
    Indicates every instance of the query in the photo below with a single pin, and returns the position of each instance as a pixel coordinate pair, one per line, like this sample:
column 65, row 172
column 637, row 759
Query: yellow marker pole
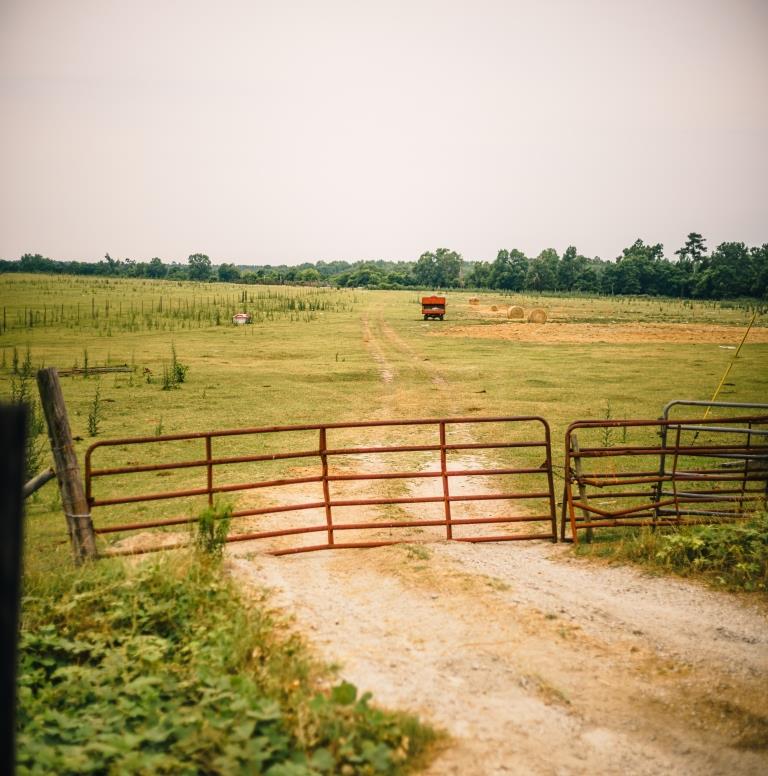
column 732, row 362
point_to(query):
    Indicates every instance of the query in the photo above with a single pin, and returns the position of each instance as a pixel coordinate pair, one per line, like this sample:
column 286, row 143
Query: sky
column 281, row 132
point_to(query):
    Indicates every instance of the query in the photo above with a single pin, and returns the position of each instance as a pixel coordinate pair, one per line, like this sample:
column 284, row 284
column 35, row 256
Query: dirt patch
column 609, row 333
column 386, row 370
column 533, row 662
column 404, row 349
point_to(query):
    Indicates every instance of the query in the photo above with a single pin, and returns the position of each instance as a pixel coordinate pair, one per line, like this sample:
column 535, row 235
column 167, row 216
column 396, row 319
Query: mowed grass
column 325, row 355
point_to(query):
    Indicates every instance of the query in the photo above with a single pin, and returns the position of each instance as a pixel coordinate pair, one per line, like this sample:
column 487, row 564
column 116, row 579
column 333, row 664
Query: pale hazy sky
column 272, row 132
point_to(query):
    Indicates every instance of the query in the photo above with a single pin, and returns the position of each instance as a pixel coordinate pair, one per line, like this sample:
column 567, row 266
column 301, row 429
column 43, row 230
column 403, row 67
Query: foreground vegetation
column 165, row 668
column 733, row 556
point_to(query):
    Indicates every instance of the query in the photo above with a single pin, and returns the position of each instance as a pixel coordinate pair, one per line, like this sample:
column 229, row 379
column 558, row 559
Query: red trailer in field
column 433, row 307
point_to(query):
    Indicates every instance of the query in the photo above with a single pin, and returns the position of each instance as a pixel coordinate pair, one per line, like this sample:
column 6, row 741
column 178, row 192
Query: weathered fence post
column 582, row 487
column 12, row 432
column 76, row 509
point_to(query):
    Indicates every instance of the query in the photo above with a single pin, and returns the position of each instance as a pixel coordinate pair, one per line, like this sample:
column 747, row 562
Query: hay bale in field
column 537, row 316
column 474, row 300
column 494, row 308
column 515, row 312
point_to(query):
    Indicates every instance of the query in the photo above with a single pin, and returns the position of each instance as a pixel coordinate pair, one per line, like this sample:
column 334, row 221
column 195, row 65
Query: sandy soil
column 555, row 332
column 535, row 662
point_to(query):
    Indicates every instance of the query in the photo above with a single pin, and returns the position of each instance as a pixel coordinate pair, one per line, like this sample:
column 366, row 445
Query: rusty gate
column 449, row 479
column 664, row 472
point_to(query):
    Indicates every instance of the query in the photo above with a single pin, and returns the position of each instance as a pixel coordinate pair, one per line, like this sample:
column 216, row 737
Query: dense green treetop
column 732, row 269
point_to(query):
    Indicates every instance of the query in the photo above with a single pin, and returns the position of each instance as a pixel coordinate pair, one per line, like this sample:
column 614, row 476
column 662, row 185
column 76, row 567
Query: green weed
column 22, row 392
column 212, row 529
column 94, row 414
column 164, row 669
column 731, row 555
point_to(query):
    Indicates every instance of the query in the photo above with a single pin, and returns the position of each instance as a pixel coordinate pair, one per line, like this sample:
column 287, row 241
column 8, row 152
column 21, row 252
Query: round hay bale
column 515, row 312
column 474, row 300
column 494, row 308
column 537, row 316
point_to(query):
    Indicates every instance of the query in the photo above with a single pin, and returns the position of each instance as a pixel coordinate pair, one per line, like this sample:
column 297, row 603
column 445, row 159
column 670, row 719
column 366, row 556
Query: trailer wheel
column 426, row 317
column 441, row 317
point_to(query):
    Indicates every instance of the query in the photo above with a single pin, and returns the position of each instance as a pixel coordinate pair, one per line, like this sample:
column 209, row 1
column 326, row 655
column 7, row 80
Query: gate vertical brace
column 446, row 490
column 73, row 500
column 564, row 508
column 747, row 461
column 582, row 487
column 658, row 487
column 551, row 483
column 675, row 460
column 209, row 469
column 323, row 447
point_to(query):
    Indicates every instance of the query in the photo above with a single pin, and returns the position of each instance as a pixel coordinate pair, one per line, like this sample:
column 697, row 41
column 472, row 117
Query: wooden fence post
column 76, row 509
column 12, row 433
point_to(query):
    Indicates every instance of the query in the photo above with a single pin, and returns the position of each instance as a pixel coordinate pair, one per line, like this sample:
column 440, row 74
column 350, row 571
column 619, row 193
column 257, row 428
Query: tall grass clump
column 163, row 668
column 23, row 392
column 732, row 555
column 212, row 529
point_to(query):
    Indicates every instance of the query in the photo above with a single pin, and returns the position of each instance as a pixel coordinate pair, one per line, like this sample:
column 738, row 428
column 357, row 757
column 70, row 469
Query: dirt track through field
column 387, row 346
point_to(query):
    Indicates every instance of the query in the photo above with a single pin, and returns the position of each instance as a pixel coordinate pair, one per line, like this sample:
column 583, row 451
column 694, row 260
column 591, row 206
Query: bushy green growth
column 23, row 392
column 164, row 669
column 178, row 370
column 733, row 555
column 176, row 374
column 212, row 529
column 94, row 413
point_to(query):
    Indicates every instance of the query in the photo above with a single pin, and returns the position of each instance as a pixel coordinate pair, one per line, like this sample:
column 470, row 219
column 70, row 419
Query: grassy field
column 321, row 355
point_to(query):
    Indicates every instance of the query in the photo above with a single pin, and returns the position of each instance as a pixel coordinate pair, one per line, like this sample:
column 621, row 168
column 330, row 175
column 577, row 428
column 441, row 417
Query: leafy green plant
column 178, row 370
column 212, row 528
column 34, row 446
column 732, row 555
column 176, row 374
column 94, row 413
column 163, row 668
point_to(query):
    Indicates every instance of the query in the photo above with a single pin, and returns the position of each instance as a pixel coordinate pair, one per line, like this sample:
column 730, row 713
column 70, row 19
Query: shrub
column 733, row 555
column 163, row 668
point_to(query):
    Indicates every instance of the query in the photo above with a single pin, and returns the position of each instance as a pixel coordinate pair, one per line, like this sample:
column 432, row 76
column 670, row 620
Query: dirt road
column 535, row 662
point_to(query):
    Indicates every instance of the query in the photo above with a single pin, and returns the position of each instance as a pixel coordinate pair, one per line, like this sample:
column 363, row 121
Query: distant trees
column 199, row 267
column 509, row 270
column 156, row 268
column 228, row 273
column 732, row 269
column 440, row 269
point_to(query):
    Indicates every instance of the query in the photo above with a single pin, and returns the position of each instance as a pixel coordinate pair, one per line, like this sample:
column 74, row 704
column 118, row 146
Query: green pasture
column 318, row 355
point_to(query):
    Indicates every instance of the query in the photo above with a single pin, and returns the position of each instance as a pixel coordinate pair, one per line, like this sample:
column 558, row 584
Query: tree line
column 731, row 270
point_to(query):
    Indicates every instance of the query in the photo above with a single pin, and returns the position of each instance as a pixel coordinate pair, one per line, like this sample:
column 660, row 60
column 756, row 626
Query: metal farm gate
column 462, row 477
column 665, row 472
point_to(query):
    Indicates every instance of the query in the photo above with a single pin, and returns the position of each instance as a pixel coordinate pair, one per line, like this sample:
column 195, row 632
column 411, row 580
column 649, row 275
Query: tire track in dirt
column 386, row 370
column 400, row 345
column 400, row 351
